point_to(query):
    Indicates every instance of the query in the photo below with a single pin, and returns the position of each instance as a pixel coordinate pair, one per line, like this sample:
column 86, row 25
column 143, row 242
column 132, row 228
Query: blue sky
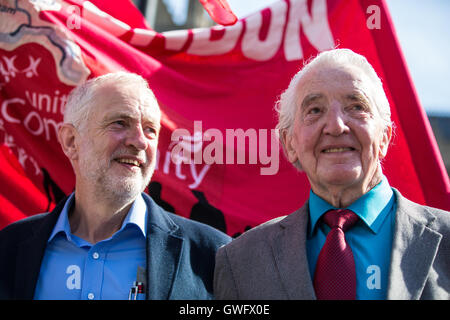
column 424, row 33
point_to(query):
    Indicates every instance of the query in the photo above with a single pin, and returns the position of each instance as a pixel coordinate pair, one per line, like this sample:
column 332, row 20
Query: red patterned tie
column 335, row 276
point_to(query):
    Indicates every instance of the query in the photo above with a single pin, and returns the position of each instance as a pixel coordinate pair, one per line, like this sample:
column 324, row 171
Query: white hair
column 81, row 99
column 287, row 105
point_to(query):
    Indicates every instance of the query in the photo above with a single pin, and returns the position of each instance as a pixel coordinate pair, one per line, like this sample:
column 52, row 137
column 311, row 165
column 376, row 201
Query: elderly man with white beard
column 356, row 237
column 108, row 239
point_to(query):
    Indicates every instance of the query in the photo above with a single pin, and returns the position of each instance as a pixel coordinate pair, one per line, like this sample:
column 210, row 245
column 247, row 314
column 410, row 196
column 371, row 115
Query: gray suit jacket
column 270, row 262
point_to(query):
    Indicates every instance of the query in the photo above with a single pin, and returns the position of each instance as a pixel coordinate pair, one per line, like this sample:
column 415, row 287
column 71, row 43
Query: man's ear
column 385, row 141
column 289, row 150
column 67, row 134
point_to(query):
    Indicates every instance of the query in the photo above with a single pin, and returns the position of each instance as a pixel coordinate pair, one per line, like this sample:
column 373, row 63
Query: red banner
column 217, row 88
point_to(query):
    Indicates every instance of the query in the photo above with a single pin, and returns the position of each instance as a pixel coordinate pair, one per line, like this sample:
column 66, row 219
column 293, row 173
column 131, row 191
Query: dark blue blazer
column 180, row 254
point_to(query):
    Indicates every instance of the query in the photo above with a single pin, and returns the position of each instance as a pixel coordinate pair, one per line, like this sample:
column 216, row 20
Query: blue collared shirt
column 74, row 269
column 370, row 238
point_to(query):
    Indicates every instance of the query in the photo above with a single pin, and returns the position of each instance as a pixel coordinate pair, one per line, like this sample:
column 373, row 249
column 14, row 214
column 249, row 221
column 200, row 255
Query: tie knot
column 341, row 218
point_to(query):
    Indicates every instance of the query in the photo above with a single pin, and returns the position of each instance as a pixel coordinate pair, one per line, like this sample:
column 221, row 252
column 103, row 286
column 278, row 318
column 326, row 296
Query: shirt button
column 90, row 296
column 95, row 255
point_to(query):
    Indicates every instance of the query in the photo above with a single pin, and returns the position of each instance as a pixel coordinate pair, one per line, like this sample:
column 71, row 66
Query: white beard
column 116, row 188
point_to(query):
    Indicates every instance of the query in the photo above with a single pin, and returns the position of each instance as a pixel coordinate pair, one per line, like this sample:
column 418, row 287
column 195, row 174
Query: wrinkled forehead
column 337, row 81
column 129, row 98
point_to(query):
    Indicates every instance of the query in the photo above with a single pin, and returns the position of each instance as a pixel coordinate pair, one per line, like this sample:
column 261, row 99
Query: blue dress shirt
column 75, row 269
column 370, row 238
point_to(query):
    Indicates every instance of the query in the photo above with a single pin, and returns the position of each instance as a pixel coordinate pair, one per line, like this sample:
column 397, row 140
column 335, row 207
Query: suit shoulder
column 185, row 228
column 256, row 236
column 442, row 221
column 198, row 231
column 17, row 229
column 435, row 218
column 25, row 222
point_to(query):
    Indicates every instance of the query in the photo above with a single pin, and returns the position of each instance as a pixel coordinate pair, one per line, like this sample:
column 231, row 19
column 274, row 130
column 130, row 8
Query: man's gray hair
column 287, row 105
column 81, row 99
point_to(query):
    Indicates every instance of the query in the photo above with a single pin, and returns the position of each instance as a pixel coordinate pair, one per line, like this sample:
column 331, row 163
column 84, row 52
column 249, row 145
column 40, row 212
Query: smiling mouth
column 336, row 150
column 130, row 162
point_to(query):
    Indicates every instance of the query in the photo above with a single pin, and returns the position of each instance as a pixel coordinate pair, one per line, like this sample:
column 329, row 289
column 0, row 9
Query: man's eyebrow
column 356, row 97
column 310, row 98
column 128, row 116
column 118, row 116
column 155, row 124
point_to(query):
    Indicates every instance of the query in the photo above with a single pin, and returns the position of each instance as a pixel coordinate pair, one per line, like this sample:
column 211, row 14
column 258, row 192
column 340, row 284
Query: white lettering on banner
column 74, row 279
column 202, row 44
column 10, row 71
column 22, row 156
column 175, row 40
column 198, row 177
column 197, row 172
column 5, row 106
column 252, row 46
column 31, row 70
column 33, row 121
column 28, row 123
column 315, row 28
column 180, row 152
column 44, row 102
column 142, row 37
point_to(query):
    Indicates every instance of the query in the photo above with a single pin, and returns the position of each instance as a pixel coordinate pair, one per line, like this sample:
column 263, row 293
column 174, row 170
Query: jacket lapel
column 164, row 244
column 289, row 250
column 28, row 262
column 30, row 253
column 414, row 248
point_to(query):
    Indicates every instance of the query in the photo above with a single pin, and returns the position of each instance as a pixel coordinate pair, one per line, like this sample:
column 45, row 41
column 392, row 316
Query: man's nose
column 336, row 123
column 136, row 138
